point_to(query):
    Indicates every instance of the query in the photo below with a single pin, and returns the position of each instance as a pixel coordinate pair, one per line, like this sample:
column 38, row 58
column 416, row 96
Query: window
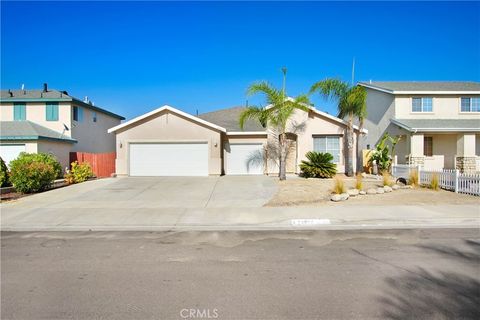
column 470, row 105
column 19, row 112
column 94, row 116
column 422, row 105
column 428, row 146
column 330, row 144
column 77, row 114
column 51, row 111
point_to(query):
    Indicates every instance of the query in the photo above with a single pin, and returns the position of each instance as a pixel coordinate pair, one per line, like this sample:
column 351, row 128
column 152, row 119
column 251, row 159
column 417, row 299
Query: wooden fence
column 103, row 164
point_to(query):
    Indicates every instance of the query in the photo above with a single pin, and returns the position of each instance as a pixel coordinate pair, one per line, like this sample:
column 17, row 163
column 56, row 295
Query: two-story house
column 439, row 122
column 52, row 121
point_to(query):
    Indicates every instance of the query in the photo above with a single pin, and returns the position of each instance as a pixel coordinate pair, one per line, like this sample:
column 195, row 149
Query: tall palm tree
column 275, row 116
column 351, row 104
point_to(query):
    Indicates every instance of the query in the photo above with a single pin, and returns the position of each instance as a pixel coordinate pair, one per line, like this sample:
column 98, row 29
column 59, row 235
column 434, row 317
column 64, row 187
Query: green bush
column 3, row 174
column 79, row 172
column 319, row 165
column 32, row 172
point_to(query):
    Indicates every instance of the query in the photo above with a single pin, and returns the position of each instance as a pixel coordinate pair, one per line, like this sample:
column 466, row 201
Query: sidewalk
column 265, row 218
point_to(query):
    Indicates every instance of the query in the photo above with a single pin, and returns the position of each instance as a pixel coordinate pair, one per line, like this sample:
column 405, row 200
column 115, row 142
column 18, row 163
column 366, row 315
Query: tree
column 351, row 104
column 275, row 117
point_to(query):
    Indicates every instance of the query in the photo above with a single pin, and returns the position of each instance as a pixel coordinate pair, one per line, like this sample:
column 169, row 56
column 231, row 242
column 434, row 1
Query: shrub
column 32, row 172
column 413, row 178
column 387, row 179
column 359, row 181
column 80, row 172
column 319, row 165
column 435, row 183
column 3, row 174
column 339, row 186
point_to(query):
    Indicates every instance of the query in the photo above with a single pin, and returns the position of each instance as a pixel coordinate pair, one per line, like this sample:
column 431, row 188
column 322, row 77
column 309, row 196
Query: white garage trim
column 9, row 152
column 186, row 158
column 244, row 159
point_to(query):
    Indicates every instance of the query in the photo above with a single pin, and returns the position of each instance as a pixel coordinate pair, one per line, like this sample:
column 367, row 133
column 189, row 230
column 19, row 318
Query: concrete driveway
column 158, row 192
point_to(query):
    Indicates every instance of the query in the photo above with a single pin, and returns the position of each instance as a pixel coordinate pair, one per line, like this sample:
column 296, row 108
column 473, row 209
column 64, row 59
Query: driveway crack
column 211, row 194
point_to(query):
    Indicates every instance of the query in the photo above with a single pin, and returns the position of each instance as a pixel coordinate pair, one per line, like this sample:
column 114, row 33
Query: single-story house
column 170, row 142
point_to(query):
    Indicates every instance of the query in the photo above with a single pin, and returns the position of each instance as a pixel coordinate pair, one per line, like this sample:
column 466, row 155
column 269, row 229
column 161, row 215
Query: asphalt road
column 417, row 274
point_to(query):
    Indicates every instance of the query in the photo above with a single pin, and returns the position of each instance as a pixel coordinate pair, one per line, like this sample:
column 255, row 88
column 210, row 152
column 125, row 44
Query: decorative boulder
column 380, row 190
column 395, row 187
column 344, row 196
column 387, row 189
column 361, row 192
column 364, row 175
column 353, row 192
column 371, row 191
column 336, row 197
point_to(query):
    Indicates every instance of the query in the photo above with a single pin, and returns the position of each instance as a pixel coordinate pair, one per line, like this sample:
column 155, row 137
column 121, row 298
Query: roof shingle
column 27, row 130
column 229, row 119
column 425, row 85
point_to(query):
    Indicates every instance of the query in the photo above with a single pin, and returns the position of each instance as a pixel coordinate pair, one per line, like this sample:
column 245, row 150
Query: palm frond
column 330, row 88
column 254, row 113
column 271, row 94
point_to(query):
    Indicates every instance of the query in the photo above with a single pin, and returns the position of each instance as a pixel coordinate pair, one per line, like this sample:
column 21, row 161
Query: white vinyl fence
column 453, row 180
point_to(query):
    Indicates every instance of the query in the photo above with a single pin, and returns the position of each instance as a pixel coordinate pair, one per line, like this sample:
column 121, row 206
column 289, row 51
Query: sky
column 132, row 57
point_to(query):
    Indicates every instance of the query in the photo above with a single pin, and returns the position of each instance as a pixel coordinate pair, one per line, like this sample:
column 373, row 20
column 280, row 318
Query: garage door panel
column 9, row 152
column 168, row 159
column 244, row 159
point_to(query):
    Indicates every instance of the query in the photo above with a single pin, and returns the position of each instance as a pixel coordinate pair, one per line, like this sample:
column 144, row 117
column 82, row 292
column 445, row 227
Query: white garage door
column 168, row 159
column 244, row 158
column 9, row 152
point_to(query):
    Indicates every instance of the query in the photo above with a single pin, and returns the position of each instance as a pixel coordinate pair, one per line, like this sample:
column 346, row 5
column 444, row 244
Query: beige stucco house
column 170, row 142
column 52, row 121
column 439, row 122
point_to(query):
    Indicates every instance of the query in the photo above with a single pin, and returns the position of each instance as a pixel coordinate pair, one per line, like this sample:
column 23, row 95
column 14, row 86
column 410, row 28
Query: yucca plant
column 339, row 186
column 319, row 165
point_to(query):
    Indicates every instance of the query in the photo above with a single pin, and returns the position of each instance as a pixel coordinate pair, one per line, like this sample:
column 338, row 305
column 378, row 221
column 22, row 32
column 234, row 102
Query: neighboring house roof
column 171, row 109
column 438, row 125
column 424, row 87
column 27, row 130
column 49, row 95
column 229, row 119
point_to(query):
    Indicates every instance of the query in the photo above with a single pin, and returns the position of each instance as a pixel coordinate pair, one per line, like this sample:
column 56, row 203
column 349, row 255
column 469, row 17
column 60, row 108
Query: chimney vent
column 86, row 99
column 45, row 87
column 10, row 93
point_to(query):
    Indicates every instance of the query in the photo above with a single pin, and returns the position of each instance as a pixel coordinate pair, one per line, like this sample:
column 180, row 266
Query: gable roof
column 439, row 125
column 229, row 119
column 419, row 87
column 171, row 109
column 27, row 130
column 49, row 96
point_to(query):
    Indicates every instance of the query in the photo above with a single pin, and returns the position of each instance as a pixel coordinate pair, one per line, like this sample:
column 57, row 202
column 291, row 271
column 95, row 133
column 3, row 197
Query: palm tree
column 352, row 104
column 275, row 117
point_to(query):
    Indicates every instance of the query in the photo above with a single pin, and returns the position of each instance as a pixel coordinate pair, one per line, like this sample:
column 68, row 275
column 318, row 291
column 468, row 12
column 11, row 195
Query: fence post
column 419, row 170
column 456, row 180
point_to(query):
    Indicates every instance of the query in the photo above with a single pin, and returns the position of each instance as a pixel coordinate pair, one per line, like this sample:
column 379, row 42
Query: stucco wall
column 60, row 150
column 446, row 145
column 443, row 107
column 168, row 126
column 93, row 136
column 36, row 112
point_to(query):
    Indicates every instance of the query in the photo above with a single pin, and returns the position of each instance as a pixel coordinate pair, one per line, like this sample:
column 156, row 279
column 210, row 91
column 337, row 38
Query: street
column 351, row 274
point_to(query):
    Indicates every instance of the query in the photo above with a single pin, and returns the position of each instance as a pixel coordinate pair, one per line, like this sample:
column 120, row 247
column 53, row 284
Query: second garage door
column 244, row 158
column 168, row 159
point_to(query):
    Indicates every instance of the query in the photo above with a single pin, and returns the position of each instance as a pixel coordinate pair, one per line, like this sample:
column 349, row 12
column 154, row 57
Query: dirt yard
column 316, row 192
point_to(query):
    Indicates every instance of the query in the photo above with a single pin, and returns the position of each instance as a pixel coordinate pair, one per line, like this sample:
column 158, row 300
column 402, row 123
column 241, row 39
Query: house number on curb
column 308, row 222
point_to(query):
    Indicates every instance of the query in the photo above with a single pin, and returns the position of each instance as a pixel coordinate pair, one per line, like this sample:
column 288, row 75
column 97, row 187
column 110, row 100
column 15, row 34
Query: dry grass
column 359, row 182
column 435, row 183
column 339, row 185
column 413, row 178
column 387, row 179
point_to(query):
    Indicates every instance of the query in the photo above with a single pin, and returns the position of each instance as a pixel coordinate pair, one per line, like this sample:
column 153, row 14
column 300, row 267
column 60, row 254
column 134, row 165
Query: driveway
column 157, row 192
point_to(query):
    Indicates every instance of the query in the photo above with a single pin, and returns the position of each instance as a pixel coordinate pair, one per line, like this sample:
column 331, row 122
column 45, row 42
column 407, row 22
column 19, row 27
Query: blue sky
column 133, row 57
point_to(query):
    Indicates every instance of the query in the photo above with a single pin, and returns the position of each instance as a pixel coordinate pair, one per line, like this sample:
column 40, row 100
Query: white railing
column 454, row 180
column 477, row 163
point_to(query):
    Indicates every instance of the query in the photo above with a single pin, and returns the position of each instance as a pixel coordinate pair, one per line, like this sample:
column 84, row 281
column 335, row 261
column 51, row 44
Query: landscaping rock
column 344, row 196
column 353, row 192
column 380, row 190
column 361, row 192
column 387, row 189
column 336, row 197
column 371, row 191
column 364, row 175
column 395, row 187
